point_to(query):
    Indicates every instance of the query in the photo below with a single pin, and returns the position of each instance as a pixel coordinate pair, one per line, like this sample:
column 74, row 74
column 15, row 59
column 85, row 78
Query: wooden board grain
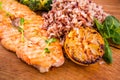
column 12, row 68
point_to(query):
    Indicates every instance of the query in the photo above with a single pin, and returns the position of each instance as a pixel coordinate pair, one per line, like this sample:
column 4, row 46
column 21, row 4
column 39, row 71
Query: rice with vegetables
column 67, row 14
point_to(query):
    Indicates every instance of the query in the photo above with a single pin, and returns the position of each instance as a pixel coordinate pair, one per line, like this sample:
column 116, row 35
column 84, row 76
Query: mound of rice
column 67, row 14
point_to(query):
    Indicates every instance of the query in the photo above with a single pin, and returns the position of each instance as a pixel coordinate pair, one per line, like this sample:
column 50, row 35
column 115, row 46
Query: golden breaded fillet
column 84, row 45
column 32, row 49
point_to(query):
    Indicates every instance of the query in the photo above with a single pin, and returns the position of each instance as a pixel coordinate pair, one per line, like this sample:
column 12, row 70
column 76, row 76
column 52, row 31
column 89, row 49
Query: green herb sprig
column 48, row 42
column 109, row 29
column 46, row 50
column 21, row 28
column 0, row 5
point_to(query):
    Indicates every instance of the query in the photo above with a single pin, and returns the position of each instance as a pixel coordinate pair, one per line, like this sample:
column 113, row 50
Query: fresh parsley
column 22, row 21
column 46, row 50
column 0, row 5
column 49, row 41
column 21, row 28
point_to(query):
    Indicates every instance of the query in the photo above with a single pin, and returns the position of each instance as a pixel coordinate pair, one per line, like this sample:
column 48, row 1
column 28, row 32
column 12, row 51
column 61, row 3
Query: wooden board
column 12, row 68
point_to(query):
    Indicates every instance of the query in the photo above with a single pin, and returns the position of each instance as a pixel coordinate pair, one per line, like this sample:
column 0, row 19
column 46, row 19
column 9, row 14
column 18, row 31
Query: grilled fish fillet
column 32, row 49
